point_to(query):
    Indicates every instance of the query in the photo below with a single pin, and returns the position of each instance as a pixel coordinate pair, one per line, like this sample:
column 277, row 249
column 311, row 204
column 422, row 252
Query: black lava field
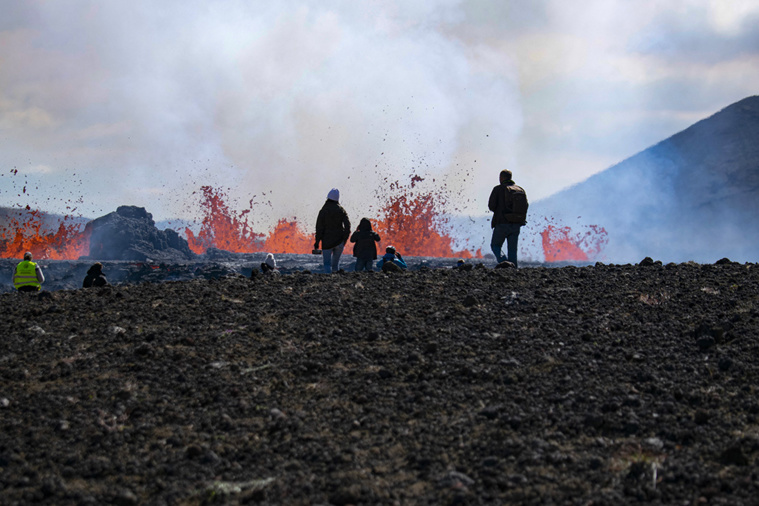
column 602, row 385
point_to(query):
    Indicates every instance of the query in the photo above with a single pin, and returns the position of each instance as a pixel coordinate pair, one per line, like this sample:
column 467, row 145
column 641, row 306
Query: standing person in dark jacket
column 332, row 230
column 95, row 276
column 509, row 205
column 365, row 249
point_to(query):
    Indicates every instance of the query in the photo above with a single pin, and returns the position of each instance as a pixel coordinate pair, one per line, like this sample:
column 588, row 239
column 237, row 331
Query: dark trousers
column 509, row 233
column 364, row 264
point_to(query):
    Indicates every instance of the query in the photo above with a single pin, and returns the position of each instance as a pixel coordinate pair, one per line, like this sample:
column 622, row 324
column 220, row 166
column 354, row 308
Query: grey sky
column 141, row 102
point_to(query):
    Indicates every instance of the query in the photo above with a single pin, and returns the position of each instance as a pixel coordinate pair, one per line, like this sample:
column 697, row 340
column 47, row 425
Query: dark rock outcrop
column 130, row 234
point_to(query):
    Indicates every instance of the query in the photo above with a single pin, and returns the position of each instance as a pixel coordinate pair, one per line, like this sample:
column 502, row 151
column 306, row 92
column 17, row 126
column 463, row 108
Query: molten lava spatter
column 222, row 228
column 27, row 232
column 561, row 244
column 413, row 222
column 410, row 217
column 287, row 237
column 225, row 229
column 410, row 220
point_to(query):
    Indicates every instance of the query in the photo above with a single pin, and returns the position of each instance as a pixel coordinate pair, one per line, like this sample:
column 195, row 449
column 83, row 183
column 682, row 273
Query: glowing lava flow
column 287, row 237
column 224, row 229
column 414, row 225
column 221, row 228
column 27, row 233
column 561, row 244
column 410, row 219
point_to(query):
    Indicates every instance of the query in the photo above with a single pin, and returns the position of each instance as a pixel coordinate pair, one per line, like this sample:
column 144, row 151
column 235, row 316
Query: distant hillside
column 693, row 196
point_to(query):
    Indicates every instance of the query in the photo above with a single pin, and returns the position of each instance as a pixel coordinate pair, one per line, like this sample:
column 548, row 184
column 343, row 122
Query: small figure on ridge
column 463, row 266
column 269, row 266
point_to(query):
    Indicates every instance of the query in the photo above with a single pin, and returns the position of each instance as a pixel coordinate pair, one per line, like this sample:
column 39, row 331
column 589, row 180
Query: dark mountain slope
column 693, row 196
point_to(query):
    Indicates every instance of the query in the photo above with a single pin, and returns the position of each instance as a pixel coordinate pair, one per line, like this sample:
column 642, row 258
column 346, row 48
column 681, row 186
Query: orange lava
column 222, row 228
column 409, row 221
column 228, row 230
column 409, row 218
column 414, row 225
column 561, row 244
column 27, row 232
column 287, row 237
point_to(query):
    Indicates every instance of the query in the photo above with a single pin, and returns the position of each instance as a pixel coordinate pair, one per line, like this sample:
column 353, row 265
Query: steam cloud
column 141, row 103
column 281, row 101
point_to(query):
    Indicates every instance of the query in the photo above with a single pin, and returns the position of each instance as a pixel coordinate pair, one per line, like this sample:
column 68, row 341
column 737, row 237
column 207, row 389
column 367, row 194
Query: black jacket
column 501, row 205
column 365, row 239
column 94, row 277
column 332, row 225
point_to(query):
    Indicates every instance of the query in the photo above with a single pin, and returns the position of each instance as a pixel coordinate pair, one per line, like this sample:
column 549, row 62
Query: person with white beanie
column 332, row 230
column 269, row 265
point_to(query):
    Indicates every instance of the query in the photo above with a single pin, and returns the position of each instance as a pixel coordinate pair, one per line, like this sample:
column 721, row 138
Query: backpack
column 518, row 198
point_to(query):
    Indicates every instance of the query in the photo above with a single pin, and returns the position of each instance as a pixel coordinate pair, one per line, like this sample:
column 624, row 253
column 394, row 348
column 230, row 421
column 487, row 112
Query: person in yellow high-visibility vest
column 28, row 275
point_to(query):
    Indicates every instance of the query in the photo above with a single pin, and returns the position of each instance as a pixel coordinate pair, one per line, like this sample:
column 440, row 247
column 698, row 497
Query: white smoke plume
column 276, row 102
column 143, row 102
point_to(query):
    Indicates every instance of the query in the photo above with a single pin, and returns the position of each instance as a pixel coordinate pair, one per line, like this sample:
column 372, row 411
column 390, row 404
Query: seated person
column 391, row 257
column 95, row 276
column 269, row 265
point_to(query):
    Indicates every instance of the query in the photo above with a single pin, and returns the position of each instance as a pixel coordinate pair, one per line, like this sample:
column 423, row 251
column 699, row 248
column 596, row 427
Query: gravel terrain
column 605, row 384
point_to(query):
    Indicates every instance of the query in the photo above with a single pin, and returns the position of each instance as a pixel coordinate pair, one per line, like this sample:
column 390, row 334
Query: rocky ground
column 69, row 274
column 604, row 384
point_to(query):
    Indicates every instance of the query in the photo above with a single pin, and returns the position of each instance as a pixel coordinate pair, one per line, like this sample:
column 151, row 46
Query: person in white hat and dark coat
column 332, row 230
column 269, row 265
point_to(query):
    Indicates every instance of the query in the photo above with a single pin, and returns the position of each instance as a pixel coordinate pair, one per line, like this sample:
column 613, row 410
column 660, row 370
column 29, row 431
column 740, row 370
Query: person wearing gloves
column 332, row 230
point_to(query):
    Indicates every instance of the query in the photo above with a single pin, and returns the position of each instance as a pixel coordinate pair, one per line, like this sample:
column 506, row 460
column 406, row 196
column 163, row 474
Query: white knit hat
column 334, row 194
column 270, row 261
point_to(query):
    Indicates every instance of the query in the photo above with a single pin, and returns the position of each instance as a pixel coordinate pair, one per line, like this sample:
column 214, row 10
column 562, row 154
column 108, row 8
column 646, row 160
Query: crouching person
column 269, row 266
column 391, row 261
column 28, row 275
column 95, row 276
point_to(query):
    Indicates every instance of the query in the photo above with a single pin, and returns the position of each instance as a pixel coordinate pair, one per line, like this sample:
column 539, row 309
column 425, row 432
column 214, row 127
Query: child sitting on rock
column 391, row 261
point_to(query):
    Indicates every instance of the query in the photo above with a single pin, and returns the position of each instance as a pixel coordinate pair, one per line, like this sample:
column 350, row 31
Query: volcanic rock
column 386, row 389
column 130, row 234
column 391, row 267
